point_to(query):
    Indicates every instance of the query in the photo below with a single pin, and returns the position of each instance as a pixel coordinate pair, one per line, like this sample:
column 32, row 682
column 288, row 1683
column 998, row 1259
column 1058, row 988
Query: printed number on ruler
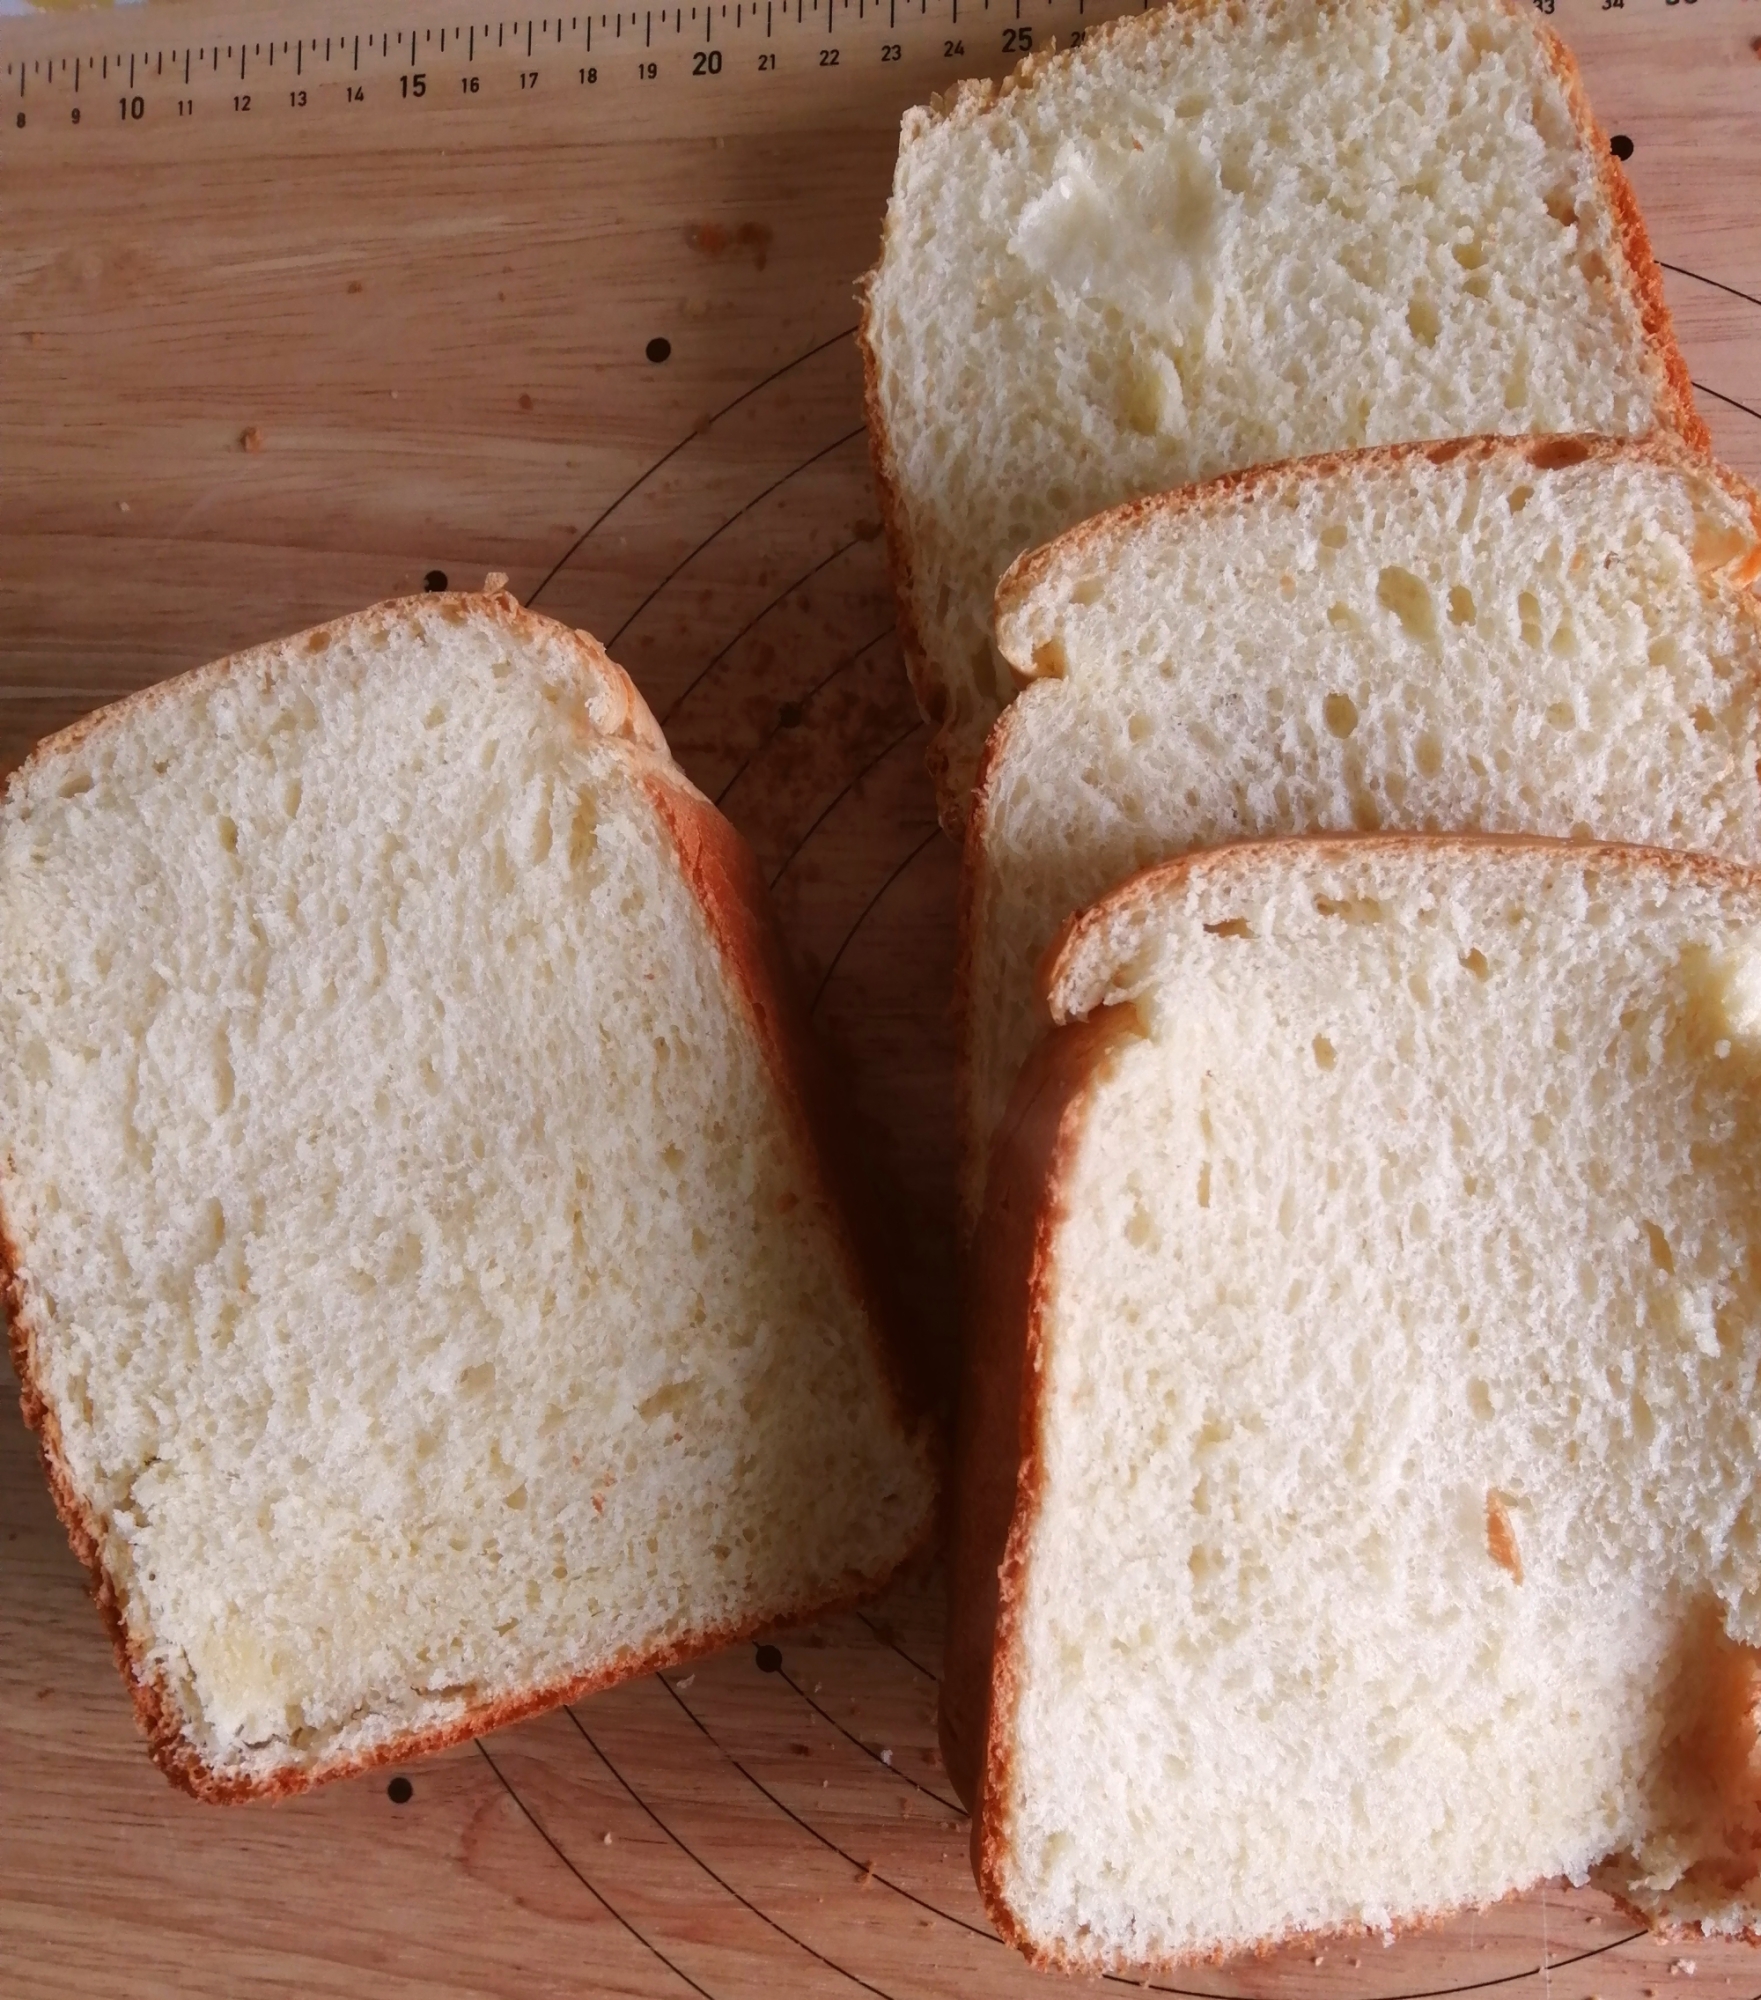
column 100, row 78
column 93, row 77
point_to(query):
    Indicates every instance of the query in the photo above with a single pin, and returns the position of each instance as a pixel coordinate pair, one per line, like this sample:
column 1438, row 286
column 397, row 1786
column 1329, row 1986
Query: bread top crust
column 1095, row 962
column 725, row 882
column 614, row 708
column 1098, row 540
column 1005, row 1281
column 957, row 709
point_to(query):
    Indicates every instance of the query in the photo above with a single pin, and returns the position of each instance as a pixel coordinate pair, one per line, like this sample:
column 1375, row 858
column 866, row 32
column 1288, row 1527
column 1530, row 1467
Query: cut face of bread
column 1554, row 638
column 1380, row 1251
column 422, row 1274
column 1218, row 236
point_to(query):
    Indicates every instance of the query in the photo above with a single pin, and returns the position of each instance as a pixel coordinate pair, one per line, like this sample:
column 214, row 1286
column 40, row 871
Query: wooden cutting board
column 281, row 333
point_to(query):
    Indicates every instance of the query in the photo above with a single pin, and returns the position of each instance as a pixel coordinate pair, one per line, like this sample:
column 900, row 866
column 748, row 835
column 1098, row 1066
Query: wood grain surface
column 247, row 384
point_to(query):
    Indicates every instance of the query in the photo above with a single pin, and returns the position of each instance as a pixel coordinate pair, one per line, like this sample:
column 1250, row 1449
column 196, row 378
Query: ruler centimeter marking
column 63, row 85
column 463, row 62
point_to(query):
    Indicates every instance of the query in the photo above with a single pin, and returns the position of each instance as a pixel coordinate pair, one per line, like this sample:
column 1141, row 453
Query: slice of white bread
column 1362, row 1403
column 423, row 1269
column 1551, row 637
column 1221, row 235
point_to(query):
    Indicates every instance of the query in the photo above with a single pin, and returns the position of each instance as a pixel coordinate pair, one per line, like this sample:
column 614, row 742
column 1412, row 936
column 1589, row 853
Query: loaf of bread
column 422, row 1269
column 1370, row 1314
column 1216, row 236
column 1553, row 637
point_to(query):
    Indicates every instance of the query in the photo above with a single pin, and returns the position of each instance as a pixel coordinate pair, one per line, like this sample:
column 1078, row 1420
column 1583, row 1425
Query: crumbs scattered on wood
column 354, row 284
column 866, row 1876
column 685, row 1683
column 250, row 438
column 886, row 1757
column 1683, row 1966
column 714, row 239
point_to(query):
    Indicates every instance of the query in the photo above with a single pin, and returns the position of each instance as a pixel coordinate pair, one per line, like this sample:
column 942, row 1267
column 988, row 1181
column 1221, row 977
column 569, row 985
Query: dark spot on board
column 866, row 531
column 1621, row 146
column 400, row 1791
column 770, row 1661
column 434, row 580
column 659, row 349
column 747, row 239
column 525, row 402
column 789, row 716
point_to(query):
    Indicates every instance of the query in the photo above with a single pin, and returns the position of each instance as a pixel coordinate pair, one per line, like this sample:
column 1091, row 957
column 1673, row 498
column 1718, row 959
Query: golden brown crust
column 997, row 1469
column 728, row 884
column 1675, row 403
column 1093, row 539
column 725, row 879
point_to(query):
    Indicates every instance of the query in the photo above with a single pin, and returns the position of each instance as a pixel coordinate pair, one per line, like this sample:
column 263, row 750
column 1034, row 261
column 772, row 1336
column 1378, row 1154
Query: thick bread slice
column 1231, row 232
column 1551, row 637
column 1362, row 1403
column 422, row 1269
